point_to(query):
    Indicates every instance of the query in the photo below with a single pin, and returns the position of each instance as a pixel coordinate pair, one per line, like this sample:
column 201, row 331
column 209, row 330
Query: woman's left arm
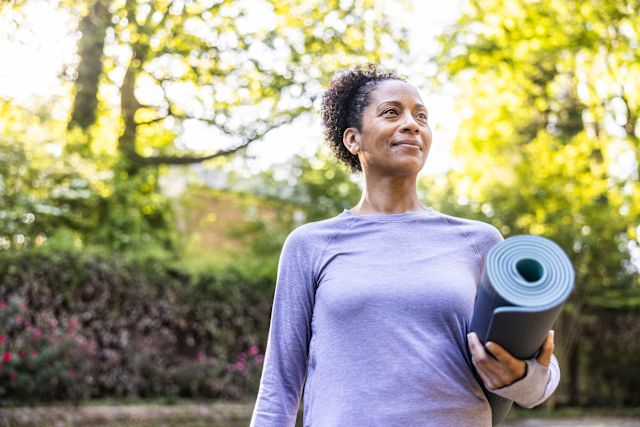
column 526, row 382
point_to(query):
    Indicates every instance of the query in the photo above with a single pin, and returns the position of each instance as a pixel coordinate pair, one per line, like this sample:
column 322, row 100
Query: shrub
column 42, row 359
column 147, row 327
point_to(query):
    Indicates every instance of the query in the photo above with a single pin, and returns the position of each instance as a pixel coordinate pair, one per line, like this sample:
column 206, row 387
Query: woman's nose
column 410, row 124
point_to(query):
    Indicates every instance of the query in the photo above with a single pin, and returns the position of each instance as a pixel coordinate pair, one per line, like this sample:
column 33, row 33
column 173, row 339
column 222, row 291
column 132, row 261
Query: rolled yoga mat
column 525, row 281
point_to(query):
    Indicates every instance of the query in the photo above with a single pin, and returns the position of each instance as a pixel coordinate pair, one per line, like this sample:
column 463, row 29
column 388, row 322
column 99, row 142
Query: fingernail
column 552, row 333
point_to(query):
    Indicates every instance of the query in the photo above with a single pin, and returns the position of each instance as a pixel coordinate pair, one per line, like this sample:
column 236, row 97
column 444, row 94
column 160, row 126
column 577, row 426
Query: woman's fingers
column 479, row 355
column 544, row 356
column 474, row 345
column 497, row 367
column 496, row 372
column 517, row 368
column 486, row 366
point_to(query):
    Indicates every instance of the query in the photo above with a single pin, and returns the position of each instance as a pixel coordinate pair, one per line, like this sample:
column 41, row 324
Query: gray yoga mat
column 525, row 281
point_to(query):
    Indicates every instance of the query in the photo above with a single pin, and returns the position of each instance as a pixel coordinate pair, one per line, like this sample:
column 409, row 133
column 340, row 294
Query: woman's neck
column 389, row 195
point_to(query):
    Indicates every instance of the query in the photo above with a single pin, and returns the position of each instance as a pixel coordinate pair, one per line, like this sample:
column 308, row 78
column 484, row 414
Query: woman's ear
column 351, row 140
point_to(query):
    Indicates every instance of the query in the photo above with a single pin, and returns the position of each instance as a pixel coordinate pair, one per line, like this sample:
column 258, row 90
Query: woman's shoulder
column 472, row 227
column 317, row 234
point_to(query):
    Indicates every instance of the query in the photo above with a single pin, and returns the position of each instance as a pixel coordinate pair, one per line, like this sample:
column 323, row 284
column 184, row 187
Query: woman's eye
column 422, row 116
column 390, row 111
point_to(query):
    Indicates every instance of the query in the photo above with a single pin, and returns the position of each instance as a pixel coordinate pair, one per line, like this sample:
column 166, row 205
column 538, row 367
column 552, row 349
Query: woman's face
column 395, row 136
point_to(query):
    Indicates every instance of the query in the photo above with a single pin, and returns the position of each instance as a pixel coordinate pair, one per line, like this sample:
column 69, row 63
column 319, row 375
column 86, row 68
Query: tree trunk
column 93, row 28
column 128, row 107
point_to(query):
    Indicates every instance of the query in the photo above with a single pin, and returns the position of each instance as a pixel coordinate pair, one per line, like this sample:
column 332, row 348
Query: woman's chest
column 424, row 283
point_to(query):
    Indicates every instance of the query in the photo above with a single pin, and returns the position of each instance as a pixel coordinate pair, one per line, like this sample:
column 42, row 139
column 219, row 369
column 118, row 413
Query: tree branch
column 148, row 122
column 187, row 160
column 630, row 125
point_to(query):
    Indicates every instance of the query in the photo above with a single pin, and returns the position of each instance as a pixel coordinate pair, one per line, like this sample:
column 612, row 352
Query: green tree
column 149, row 72
column 239, row 67
column 550, row 105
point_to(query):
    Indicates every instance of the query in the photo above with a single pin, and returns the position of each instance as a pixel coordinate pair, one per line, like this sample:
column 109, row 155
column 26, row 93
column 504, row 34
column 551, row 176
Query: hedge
column 130, row 327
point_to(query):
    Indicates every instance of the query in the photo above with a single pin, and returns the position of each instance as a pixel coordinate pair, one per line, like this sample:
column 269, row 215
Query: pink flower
column 3, row 339
column 253, row 350
column 259, row 358
column 6, row 357
column 73, row 323
column 19, row 320
column 239, row 366
column 3, row 304
column 242, row 357
column 201, row 356
column 36, row 334
column 53, row 323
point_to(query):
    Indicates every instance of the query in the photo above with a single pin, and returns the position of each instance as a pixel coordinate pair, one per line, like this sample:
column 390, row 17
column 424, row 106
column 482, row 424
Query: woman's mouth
column 407, row 144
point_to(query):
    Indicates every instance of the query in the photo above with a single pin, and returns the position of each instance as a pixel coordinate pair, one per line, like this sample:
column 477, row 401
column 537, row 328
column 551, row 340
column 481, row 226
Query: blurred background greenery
column 139, row 243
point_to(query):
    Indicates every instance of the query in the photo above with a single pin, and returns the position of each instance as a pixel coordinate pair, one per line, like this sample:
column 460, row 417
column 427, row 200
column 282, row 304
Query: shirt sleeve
column 535, row 387
column 285, row 363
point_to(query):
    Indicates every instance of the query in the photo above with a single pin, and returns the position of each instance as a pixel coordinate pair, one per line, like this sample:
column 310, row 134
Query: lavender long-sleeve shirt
column 370, row 317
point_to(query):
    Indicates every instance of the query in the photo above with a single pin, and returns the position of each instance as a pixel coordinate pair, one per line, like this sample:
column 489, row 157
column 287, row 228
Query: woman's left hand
column 498, row 370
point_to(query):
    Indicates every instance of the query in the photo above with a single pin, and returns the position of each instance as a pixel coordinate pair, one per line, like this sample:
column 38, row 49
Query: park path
column 215, row 414
column 218, row 413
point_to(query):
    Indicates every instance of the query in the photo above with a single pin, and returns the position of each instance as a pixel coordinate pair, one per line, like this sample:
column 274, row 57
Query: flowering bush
column 128, row 327
column 207, row 376
column 245, row 372
column 41, row 359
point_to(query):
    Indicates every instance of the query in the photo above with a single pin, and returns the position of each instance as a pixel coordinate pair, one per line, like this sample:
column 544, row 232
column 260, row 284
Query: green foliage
column 532, row 121
column 44, row 199
column 236, row 69
column 40, row 196
column 548, row 115
column 324, row 187
column 148, row 74
column 134, row 217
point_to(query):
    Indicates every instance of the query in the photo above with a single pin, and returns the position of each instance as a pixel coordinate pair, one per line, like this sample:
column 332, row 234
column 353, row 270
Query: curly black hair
column 343, row 103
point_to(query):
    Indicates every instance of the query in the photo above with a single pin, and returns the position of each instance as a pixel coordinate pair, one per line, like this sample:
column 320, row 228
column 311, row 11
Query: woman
column 372, row 307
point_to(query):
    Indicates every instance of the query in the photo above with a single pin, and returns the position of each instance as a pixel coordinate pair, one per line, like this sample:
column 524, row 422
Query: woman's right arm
column 285, row 363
